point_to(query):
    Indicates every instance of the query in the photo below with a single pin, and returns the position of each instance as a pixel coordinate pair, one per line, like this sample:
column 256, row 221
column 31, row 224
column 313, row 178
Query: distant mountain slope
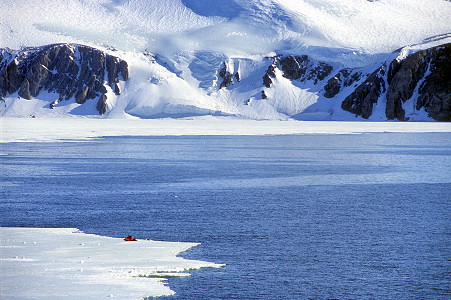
column 68, row 71
column 232, row 27
column 407, row 85
column 260, row 59
column 411, row 86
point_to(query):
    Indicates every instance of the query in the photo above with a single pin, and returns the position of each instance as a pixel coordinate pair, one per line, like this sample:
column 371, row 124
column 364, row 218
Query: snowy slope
column 175, row 49
column 232, row 27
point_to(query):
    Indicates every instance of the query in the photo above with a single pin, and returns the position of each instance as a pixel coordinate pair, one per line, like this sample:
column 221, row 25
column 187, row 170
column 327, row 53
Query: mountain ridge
column 258, row 59
column 79, row 73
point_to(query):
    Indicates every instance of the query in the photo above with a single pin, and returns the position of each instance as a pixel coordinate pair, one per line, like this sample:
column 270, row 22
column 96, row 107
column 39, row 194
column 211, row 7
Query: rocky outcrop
column 10, row 80
column 270, row 73
column 101, row 104
column 71, row 71
column 227, row 76
column 402, row 78
column 294, row 67
column 360, row 102
column 301, row 68
column 24, row 90
column 423, row 77
column 237, row 76
column 319, row 72
column 343, row 79
column 435, row 91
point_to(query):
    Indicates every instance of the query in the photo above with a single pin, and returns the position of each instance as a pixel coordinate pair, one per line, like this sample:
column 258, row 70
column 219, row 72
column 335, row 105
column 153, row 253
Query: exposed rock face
column 334, row 85
column 24, row 90
column 360, row 102
column 302, row 68
column 10, row 80
column 237, row 76
column 227, row 76
column 319, row 72
column 435, row 91
column 68, row 70
column 270, row 73
column 344, row 78
column 101, row 104
column 403, row 77
column 294, row 67
column 424, row 77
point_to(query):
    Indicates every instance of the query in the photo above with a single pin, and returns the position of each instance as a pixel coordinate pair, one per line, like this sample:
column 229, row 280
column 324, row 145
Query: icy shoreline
column 56, row 263
column 48, row 130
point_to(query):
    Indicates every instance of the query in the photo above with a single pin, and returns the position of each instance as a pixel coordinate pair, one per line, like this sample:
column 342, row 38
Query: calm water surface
column 294, row 217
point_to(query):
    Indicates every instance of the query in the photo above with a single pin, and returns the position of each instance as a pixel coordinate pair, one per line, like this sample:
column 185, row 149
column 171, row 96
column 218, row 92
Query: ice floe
column 65, row 263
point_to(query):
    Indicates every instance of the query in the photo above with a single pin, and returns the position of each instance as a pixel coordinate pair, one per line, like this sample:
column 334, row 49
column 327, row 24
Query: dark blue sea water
column 294, row 217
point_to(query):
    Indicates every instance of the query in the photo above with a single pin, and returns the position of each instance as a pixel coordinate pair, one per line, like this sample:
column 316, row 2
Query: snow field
column 232, row 27
column 370, row 26
column 64, row 263
column 56, row 129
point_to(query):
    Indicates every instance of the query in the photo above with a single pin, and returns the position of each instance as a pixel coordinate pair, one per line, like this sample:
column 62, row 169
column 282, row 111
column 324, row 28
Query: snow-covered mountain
column 260, row 59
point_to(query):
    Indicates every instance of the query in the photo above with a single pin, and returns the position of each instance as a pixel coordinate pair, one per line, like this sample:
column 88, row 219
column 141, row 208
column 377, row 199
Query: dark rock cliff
column 424, row 77
column 227, row 77
column 435, row 91
column 270, row 73
column 301, row 68
column 71, row 71
column 343, row 79
column 360, row 102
